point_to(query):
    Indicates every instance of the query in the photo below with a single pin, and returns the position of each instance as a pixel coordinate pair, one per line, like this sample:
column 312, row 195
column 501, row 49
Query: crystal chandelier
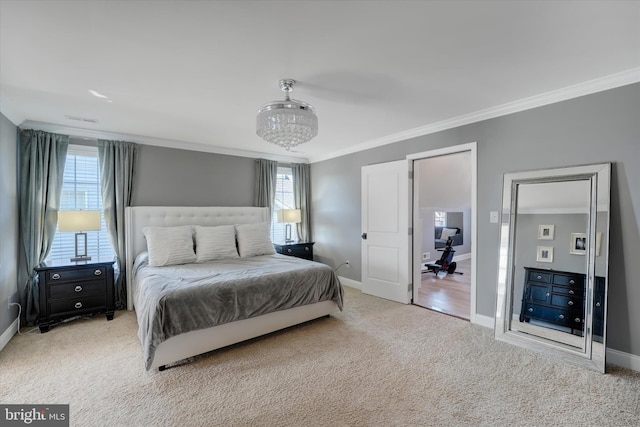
column 287, row 123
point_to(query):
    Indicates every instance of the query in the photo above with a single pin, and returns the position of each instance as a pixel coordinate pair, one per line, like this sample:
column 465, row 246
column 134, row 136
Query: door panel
column 385, row 220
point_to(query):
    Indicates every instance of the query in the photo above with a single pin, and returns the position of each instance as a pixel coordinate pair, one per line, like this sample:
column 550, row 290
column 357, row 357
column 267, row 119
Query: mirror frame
column 592, row 354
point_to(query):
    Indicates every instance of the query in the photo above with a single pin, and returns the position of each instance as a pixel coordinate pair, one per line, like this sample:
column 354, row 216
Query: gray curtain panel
column 266, row 176
column 302, row 198
column 117, row 164
column 42, row 159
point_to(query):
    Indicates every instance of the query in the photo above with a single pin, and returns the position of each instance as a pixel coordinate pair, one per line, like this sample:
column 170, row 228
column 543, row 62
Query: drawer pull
column 571, row 292
column 97, row 272
column 598, row 304
column 78, row 288
column 289, row 250
column 570, row 303
column 306, row 248
column 561, row 317
column 78, row 305
column 577, row 320
column 530, row 310
column 572, row 282
column 548, row 294
column 55, row 276
column 539, row 277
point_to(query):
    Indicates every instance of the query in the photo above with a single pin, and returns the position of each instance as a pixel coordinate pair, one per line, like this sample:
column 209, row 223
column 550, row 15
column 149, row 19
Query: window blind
column 284, row 200
column 81, row 190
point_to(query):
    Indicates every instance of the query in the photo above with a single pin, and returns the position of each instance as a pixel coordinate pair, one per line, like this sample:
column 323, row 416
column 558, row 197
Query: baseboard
column 482, row 320
column 622, row 359
column 350, row 283
column 462, row 257
column 9, row 333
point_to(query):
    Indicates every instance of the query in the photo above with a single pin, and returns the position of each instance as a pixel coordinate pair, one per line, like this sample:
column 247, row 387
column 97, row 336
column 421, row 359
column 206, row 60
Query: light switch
column 493, row 217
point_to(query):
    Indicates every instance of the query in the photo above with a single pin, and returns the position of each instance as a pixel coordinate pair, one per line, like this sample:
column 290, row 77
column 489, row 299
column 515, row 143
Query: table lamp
column 289, row 216
column 79, row 221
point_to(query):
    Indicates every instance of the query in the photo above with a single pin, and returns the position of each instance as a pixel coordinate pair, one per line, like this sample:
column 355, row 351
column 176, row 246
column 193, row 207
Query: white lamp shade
column 79, row 221
column 290, row 215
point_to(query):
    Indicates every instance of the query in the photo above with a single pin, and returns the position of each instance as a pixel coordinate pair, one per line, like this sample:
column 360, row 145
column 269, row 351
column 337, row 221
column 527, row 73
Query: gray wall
column 171, row 177
column 8, row 222
column 590, row 129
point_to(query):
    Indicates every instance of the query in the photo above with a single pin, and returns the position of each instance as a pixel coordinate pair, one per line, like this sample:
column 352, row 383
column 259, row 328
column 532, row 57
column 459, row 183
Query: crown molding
column 574, row 91
column 156, row 142
column 8, row 112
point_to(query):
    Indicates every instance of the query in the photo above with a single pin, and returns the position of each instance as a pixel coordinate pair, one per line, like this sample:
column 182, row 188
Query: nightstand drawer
column 55, row 276
column 297, row 250
column 68, row 306
column 77, row 289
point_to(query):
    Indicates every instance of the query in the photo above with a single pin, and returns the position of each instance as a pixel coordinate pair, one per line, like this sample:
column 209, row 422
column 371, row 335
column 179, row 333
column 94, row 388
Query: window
column 81, row 191
column 284, row 200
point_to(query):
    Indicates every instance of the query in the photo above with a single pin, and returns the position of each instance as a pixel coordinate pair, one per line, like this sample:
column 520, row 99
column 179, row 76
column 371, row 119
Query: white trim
column 622, row 359
column 463, row 257
column 9, row 333
column 472, row 147
column 486, row 321
column 156, row 142
column 350, row 283
column 585, row 88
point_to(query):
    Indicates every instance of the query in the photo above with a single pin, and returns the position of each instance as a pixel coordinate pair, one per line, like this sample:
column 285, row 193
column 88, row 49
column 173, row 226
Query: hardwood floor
column 450, row 295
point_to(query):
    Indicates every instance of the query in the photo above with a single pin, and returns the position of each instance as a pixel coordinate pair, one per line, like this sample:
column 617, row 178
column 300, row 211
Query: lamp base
column 81, row 256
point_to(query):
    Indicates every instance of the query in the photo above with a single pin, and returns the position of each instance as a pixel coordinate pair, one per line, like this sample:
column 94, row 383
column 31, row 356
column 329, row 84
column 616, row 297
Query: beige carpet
column 375, row 364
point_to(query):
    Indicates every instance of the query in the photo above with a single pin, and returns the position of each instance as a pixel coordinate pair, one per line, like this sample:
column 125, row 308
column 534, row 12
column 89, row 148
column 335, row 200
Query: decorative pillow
column 448, row 232
column 169, row 245
column 254, row 239
column 215, row 243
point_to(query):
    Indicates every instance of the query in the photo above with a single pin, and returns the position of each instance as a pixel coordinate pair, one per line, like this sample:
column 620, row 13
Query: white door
column 385, row 231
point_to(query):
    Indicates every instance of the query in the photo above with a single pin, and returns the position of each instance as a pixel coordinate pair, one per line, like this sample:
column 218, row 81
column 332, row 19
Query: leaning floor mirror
column 552, row 277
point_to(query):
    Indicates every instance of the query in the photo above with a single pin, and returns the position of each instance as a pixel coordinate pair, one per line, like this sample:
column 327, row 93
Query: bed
column 258, row 294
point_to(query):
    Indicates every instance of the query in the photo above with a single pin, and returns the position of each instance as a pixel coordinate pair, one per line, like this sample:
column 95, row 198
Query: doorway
column 444, row 208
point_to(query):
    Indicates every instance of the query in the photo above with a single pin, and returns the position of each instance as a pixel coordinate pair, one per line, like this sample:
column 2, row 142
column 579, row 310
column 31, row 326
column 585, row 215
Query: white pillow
column 215, row 243
column 448, row 232
column 254, row 239
column 169, row 245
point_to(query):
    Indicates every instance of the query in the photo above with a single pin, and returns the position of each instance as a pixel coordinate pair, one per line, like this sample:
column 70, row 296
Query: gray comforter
column 178, row 299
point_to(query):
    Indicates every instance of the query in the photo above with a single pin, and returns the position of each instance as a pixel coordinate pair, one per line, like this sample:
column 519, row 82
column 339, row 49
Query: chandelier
column 287, row 123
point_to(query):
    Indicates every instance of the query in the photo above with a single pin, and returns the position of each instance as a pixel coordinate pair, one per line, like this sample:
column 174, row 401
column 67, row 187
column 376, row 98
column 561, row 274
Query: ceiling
column 192, row 74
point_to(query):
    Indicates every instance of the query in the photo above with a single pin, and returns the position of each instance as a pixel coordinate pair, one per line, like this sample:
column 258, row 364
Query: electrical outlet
column 426, row 256
column 347, row 263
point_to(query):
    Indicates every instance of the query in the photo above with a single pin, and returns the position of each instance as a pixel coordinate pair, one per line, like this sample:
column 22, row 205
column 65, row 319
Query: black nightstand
column 74, row 288
column 296, row 249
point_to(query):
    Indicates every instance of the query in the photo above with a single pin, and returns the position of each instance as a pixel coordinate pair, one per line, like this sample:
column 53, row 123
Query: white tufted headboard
column 138, row 217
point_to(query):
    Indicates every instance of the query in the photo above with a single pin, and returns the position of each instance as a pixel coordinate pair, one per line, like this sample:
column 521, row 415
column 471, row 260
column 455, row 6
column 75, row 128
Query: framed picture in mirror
column 545, row 232
column 544, row 254
column 578, row 244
